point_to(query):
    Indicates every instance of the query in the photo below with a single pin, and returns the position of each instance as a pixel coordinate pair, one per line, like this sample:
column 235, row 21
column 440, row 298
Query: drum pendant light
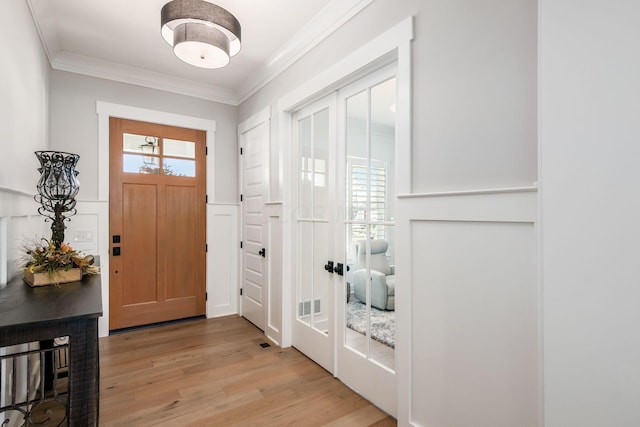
column 201, row 33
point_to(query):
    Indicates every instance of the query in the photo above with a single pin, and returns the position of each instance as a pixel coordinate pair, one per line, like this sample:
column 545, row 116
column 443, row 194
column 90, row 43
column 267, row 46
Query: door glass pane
column 142, row 155
column 133, row 163
column 355, row 324
column 179, row 167
column 370, row 296
column 320, row 164
column 383, row 129
column 357, row 151
column 140, row 144
column 305, row 272
column 305, row 169
column 382, row 319
column 177, row 148
column 321, row 278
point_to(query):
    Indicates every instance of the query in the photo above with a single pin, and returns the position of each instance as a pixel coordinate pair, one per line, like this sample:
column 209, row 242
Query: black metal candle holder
column 57, row 189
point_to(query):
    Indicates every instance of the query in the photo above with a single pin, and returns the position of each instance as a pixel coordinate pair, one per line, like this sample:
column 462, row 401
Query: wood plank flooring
column 215, row 373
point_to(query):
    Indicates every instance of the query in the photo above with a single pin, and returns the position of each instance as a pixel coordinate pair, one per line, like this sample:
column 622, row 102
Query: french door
column 366, row 311
column 314, row 213
column 344, row 198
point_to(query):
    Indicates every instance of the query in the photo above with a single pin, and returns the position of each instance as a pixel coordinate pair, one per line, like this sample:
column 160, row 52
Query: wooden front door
column 157, row 217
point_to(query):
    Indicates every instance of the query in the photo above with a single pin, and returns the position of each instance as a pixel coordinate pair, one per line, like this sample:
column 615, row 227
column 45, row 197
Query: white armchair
column 383, row 283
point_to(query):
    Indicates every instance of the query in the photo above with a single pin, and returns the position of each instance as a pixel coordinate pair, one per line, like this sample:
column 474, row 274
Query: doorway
column 344, row 195
column 157, row 223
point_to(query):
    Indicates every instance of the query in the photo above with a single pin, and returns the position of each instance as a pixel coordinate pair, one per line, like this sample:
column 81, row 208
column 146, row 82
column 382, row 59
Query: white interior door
column 254, row 145
column 314, row 230
column 366, row 310
column 344, row 201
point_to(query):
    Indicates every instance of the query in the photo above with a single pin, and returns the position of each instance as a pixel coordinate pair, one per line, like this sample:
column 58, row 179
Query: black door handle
column 339, row 268
column 329, row 266
column 262, row 252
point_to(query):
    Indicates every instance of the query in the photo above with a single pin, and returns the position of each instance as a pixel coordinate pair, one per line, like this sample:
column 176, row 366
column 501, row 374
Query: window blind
column 377, row 177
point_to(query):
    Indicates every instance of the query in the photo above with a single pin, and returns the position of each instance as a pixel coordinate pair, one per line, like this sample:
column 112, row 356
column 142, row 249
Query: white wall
column 24, row 99
column 589, row 156
column 24, row 128
column 474, row 81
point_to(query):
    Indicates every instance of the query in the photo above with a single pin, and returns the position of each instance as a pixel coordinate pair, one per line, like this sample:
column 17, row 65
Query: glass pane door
column 369, row 323
column 314, row 151
column 313, row 221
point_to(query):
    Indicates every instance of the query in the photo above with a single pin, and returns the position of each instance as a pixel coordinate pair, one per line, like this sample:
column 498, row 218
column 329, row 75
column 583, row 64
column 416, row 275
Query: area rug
column 383, row 323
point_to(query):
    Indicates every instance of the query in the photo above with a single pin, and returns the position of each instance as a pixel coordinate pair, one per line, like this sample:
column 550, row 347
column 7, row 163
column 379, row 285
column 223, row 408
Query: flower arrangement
column 44, row 257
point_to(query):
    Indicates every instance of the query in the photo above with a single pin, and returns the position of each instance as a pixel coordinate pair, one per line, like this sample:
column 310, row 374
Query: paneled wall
column 222, row 259
column 275, row 324
column 470, row 309
column 20, row 224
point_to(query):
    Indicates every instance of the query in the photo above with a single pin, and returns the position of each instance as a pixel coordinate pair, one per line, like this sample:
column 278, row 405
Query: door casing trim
column 106, row 110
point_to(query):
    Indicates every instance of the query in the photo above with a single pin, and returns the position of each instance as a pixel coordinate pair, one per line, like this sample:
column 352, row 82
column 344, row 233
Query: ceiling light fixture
column 201, row 33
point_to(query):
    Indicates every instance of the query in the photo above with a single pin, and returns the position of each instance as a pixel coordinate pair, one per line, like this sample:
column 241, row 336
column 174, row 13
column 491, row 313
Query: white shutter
column 359, row 177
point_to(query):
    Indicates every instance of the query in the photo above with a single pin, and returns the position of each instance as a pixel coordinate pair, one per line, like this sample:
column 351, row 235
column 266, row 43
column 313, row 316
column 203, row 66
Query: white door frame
column 393, row 45
column 104, row 111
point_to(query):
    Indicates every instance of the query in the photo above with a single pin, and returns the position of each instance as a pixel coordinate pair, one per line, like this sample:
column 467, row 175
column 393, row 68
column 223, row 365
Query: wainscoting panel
column 223, row 240
column 20, row 223
column 88, row 231
column 468, row 329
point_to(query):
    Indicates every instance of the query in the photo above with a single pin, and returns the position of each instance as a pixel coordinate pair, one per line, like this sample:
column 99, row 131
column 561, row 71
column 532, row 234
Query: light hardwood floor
column 215, row 373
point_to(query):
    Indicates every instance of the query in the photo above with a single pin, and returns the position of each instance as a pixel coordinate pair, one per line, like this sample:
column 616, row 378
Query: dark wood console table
column 71, row 309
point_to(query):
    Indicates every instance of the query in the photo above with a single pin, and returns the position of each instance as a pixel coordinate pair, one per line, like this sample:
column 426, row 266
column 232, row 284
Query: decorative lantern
column 57, row 189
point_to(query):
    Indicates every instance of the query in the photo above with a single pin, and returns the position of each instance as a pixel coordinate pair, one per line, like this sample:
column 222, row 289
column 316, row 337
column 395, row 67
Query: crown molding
column 327, row 21
column 333, row 16
column 80, row 64
column 47, row 34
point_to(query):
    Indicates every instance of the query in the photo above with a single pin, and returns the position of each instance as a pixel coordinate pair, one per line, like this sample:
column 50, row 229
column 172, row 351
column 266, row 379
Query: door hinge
column 206, row 248
column 241, row 151
column 206, row 198
column 241, row 197
column 206, row 296
column 240, row 244
column 240, row 291
column 206, row 151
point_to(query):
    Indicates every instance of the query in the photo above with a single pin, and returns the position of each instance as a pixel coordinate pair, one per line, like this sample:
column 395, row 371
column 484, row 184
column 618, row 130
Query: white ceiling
column 120, row 40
